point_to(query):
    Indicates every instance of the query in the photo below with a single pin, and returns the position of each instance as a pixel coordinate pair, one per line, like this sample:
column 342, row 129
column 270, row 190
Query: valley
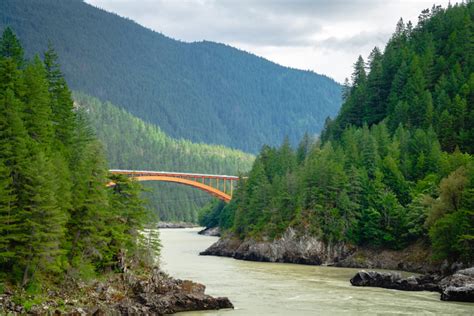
column 113, row 136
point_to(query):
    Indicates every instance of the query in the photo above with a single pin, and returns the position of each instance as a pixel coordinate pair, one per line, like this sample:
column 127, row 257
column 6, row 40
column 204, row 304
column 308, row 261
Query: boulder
column 456, row 287
column 393, row 280
column 210, row 231
column 163, row 295
column 460, row 294
column 459, row 286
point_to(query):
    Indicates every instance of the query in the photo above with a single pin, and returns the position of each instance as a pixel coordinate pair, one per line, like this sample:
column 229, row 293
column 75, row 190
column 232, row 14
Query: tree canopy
column 395, row 166
column 57, row 217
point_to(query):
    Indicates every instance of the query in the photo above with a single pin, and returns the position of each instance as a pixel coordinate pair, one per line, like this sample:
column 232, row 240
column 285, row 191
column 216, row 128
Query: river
column 257, row 288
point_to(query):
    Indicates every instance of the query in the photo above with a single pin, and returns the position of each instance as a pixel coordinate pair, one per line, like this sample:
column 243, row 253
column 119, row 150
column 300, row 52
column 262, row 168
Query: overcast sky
column 321, row 35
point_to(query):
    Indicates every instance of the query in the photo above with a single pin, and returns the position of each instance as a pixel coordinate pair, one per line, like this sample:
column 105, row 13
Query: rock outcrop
column 459, row 286
column 299, row 247
column 456, row 287
column 210, row 231
column 461, row 294
column 176, row 225
column 394, row 280
column 124, row 294
column 161, row 294
column 415, row 258
column 291, row 248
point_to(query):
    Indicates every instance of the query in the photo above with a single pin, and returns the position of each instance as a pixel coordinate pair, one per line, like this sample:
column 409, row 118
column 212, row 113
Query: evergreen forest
column 59, row 223
column 202, row 91
column 132, row 144
column 395, row 166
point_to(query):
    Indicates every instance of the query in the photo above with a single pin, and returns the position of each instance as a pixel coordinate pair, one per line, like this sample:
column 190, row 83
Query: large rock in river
column 459, row 286
column 394, row 280
column 456, row 287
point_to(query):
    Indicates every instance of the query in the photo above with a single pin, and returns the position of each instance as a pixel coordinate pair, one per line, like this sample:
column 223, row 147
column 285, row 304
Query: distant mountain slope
column 204, row 91
column 131, row 143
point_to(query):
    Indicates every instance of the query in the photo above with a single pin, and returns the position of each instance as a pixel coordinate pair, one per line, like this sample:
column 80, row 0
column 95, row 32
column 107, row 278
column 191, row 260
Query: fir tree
column 10, row 47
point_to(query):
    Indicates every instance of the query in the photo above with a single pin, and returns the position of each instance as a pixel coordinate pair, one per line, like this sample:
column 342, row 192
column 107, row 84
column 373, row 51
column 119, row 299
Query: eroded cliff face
column 292, row 247
column 302, row 248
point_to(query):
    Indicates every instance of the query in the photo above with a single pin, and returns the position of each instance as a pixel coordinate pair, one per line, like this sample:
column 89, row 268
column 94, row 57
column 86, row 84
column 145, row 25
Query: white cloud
column 321, row 35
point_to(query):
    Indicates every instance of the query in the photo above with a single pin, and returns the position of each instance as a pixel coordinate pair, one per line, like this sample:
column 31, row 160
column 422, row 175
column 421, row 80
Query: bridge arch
column 212, row 186
column 201, row 186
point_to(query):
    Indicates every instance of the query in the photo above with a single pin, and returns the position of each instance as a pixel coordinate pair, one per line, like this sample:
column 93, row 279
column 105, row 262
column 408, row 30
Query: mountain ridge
column 202, row 91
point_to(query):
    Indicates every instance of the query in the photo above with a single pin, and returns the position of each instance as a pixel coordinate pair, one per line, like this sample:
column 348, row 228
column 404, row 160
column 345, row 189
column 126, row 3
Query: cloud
column 216, row 21
column 271, row 23
column 355, row 42
column 322, row 35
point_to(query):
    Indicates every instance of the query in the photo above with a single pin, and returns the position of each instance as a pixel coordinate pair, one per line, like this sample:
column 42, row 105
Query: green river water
column 257, row 288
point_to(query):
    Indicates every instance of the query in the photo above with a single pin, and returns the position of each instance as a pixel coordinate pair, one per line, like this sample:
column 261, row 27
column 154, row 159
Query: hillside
column 130, row 143
column 423, row 79
column 204, row 92
column 52, row 189
column 394, row 169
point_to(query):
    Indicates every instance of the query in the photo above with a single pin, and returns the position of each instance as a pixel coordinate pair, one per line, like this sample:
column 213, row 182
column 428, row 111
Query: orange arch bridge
column 220, row 186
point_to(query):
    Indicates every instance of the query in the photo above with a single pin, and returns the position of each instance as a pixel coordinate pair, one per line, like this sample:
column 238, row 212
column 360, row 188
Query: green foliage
column 451, row 217
column 210, row 214
column 452, row 236
column 11, row 47
column 202, row 91
column 423, row 78
column 131, row 143
column 56, row 214
column 395, row 165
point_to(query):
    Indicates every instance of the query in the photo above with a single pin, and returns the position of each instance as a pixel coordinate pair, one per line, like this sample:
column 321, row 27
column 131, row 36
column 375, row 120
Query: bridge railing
column 221, row 186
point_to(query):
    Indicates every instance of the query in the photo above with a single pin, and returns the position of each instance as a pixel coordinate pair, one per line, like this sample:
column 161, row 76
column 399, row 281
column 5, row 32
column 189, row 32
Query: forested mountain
column 422, row 80
column 59, row 223
column 396, row 164
column 130, row 143
column 203, row 91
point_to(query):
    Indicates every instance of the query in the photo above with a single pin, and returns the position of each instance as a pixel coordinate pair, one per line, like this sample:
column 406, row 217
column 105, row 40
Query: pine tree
column 37, row 111
column 130, row 216
column 8, row 217
column 427, row 103
column 413, row 93
column 375, row 107
column 61, row 101
column 369, row 152
column 304, row 147
column 10, row 47
column 43, row 223
column 446, row 131
column 90, row 214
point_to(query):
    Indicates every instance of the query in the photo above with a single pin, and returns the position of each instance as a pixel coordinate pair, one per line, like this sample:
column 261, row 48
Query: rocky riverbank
column 297, row 247
column 122, row 294
column 456, row 287
column 291, row 248
column 176, row 225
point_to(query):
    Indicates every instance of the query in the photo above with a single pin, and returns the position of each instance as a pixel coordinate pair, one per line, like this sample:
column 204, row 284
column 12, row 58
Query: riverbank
column 175, row 225
column 152, row 293
column 263, row 288
column 297, row 247
column 294, row 247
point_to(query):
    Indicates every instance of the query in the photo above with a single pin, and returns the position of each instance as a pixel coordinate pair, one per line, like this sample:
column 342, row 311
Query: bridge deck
column 173, row 174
